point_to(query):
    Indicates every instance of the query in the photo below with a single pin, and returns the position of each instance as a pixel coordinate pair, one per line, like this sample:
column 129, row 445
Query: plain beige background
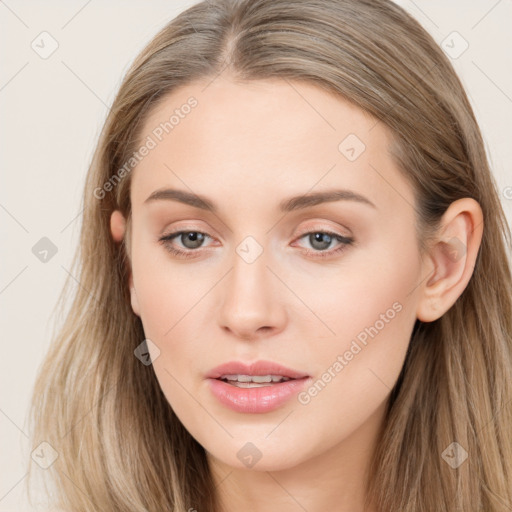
column 52, row 109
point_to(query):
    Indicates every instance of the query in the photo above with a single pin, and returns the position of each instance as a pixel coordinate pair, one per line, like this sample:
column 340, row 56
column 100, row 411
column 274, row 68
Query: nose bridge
column 250, row 267
column 249, row 295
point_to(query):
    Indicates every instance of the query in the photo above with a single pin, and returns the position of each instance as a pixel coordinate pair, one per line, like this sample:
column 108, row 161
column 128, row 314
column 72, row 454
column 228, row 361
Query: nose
column 252, row 304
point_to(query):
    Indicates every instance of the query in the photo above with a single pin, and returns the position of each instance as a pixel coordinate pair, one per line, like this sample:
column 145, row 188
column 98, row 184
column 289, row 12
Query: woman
column 295, row 292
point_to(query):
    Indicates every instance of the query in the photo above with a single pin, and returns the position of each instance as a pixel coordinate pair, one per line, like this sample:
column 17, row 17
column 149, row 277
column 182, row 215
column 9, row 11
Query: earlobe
column 453, row 259
column 117, row 225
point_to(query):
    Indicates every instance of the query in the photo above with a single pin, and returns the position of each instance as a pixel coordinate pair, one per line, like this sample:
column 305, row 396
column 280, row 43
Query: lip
column 256, row 368
column 258, row 399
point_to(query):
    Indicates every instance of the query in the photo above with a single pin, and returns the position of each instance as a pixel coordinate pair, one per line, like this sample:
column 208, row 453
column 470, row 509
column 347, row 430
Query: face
column 292, row 243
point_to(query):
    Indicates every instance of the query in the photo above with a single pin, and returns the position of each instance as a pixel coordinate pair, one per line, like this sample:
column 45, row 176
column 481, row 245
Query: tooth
column 250, row 384
column 261, row 378
column 258, row 379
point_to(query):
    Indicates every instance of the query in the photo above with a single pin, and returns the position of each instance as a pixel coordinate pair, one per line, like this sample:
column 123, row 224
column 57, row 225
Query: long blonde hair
column 120, row 445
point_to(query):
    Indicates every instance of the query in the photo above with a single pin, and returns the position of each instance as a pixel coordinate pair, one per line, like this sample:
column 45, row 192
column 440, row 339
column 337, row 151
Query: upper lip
column 256, row 368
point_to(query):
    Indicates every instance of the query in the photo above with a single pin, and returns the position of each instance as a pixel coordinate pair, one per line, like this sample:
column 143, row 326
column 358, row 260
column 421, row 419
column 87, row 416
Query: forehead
column 264, row 138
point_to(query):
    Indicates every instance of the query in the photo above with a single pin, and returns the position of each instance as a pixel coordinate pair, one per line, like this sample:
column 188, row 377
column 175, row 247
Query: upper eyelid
column 308, row 229
column 328, row 230
column 176, row 234
column 301, row 233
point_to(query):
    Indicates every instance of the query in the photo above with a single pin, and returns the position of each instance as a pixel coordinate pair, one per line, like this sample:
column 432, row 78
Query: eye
column 191, row 240
column 322, row 240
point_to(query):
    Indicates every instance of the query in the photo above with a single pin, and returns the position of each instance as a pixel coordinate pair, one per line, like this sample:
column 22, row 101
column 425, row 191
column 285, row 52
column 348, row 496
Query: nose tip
column 248, row 332
column 249, row 309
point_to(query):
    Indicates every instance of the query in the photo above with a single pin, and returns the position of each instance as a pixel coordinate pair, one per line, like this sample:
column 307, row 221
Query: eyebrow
column 288, row 205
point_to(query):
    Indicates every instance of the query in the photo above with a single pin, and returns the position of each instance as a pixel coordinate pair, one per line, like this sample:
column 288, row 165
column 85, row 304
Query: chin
column 258, row 455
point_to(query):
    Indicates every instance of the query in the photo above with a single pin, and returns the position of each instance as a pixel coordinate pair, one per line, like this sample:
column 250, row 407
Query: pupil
column 194, row 237
column 323, row 239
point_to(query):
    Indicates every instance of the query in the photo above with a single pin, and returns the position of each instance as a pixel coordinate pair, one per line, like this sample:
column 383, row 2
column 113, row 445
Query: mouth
column 259, row 387
column 254, row 381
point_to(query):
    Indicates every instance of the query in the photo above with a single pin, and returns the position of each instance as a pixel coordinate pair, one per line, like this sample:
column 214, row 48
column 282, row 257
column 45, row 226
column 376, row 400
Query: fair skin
column 247, row 147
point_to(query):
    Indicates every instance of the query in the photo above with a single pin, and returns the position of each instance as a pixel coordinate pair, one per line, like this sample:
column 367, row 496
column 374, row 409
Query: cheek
column 166, row 297
column 346, row 299
column 162, row 299
column 355, row 375
column 372, row 313
column 165, row 291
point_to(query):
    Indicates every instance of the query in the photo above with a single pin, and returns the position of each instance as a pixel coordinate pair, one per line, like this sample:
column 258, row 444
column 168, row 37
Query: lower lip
column 257, row 399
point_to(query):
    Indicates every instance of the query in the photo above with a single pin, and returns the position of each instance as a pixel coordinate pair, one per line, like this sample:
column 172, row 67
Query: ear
column 118, row 230
column 451, row 259
column 117, row 225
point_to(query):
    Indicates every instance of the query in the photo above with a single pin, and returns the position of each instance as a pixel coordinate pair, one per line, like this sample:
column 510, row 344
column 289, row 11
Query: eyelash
column 344, row 242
